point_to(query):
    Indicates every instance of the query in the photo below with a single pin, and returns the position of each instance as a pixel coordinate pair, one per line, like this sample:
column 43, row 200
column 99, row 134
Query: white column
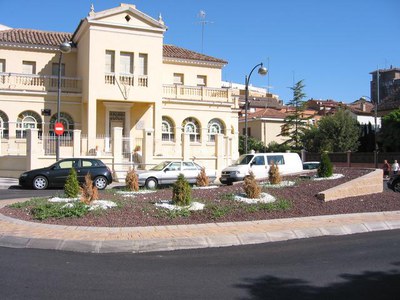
column 77, row 143
column 148, row 146
column 32, row 148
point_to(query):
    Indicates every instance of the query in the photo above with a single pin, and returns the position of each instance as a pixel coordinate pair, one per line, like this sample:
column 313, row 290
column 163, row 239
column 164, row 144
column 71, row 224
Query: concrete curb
column 21, row 234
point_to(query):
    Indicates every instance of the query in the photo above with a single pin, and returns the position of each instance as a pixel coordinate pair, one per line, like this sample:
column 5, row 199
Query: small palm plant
column 251, row 187
column 274, row 175
column 89, row 192
column 202, row 179
column 132, row 181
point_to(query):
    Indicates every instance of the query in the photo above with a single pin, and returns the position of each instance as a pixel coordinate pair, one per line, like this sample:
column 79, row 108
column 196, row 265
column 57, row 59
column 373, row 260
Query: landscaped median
column 370, row 183
column 221, row 204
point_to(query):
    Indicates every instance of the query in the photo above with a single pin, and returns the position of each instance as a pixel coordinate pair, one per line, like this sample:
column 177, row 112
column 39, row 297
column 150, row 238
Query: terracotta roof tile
column 49, row 38
column 178, row 52
column 34, row 37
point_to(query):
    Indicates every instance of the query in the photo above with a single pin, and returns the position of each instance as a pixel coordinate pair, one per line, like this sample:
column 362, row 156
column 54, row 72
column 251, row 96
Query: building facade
column 119, row 75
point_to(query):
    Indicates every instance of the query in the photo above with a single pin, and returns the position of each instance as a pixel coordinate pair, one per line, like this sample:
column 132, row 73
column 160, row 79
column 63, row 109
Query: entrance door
column 116, row 119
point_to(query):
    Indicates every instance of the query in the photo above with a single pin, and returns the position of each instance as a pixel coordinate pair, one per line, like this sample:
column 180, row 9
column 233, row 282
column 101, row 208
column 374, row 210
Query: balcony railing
column 126, row 80
column 200, row 93
column 32, row 82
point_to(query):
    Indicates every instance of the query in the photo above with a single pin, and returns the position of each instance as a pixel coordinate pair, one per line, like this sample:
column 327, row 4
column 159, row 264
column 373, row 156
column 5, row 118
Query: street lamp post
column 262, row 71
column 375, row 129
column 64, row 48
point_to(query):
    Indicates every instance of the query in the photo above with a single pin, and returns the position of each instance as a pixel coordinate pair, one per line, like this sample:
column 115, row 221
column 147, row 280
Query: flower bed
column 220, row 206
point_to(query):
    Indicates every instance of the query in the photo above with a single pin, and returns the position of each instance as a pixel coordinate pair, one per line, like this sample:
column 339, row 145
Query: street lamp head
column 65, row 47
column 262, row 70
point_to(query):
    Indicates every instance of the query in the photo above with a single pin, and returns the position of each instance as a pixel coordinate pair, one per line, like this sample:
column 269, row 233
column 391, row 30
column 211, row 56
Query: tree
column 71, row 187
column 391, row 131
column 334, row 133
column 295, row 123
column 253, row 144
column 338, row 132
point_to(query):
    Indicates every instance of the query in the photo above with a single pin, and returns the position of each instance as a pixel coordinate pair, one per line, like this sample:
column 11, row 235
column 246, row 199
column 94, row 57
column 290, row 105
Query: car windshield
column 244, row 159
column 161, row 166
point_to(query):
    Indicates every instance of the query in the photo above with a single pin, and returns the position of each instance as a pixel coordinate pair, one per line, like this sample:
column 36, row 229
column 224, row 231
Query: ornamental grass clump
column 251, row 187
column 274, row 175
column 181, row 192
column 71, row 187
column 325, row 168
column 89, row 192
column 132, row 181
column 202, row 179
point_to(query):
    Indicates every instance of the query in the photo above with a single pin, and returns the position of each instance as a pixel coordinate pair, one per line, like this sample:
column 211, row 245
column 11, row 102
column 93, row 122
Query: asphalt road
column 362, row 266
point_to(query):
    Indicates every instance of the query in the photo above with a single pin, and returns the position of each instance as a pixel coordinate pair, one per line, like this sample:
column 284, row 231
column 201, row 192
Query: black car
column 56, row 174
column 394, row 183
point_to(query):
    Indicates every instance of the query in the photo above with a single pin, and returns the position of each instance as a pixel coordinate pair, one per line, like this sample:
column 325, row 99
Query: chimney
column 363, row 106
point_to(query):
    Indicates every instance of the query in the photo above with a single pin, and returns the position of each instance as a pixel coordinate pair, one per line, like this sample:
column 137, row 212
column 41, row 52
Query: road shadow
column 368, row 285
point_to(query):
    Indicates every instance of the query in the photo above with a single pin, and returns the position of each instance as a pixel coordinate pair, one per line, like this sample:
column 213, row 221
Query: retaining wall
column 370, row 183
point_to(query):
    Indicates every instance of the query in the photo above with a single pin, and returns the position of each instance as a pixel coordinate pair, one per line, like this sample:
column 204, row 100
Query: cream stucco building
column 121, row 86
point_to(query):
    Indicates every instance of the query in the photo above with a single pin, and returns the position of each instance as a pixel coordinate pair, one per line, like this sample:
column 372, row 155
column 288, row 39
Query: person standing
column 386, row 169
column 137, row 157
column 395, row 167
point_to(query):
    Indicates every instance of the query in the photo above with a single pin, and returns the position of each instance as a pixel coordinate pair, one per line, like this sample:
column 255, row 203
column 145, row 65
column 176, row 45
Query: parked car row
column 167, row 172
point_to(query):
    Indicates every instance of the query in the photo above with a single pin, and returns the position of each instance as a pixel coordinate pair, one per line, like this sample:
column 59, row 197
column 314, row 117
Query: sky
column 332, row 45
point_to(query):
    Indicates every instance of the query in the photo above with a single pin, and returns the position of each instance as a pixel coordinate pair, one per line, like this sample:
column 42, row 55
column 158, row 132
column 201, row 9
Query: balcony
column 197, row 93
column 126, row 80
column 38, row 83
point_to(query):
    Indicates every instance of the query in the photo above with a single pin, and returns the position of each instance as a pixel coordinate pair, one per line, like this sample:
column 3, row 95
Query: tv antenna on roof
column 203, row 22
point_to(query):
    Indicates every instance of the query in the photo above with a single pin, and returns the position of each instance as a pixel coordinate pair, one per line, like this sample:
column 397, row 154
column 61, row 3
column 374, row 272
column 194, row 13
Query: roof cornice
column 167, row 59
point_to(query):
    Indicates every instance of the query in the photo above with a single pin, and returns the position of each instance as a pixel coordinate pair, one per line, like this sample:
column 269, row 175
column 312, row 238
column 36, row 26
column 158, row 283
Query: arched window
column 191, row 126
column 66, row 120
column 27, row 119
column 215, row 127
column 3, row 125
column 167, row 130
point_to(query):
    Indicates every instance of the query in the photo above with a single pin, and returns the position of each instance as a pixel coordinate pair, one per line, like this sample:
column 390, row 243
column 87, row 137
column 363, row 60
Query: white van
column 259, row 163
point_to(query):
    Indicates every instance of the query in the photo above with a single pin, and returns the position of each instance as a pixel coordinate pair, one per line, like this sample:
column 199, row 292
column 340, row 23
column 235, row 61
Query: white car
column 167, row 172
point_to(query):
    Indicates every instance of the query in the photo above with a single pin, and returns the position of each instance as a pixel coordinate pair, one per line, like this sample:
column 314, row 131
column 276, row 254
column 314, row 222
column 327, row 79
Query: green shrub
column 71, row 187
column 181, row 191
column 59, row 210
column 251, row 187
column 325, row 168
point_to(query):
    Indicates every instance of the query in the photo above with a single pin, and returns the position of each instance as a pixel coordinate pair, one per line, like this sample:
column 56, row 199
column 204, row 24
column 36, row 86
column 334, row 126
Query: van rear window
column 277, row 159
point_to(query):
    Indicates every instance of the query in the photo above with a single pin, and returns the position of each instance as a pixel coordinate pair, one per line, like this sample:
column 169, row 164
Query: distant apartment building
column 389, row 89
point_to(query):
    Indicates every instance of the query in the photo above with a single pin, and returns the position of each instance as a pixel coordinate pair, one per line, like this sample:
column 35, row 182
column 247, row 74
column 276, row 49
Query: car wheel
column 151, row 183
column 40, row 183
column 100, row 182
column 396, row 186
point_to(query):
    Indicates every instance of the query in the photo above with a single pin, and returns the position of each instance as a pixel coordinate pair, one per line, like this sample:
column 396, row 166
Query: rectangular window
column 54, row 69
column 201, row 80
column 28, row 67
column 178, row 78
column 277, row 159
column 110, row 61
column 2, row 65
column 248, row 131
column 126, row 63
column 142, row 66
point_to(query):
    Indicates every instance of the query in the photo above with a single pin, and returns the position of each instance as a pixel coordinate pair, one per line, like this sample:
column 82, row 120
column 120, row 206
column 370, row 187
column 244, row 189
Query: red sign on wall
column 59, row 128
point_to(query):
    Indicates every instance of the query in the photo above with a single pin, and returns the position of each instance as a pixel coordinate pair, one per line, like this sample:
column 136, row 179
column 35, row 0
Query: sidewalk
column 21, row 234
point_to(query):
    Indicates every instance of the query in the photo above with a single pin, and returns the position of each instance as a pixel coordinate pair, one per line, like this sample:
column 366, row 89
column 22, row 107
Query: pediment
column 126, row 15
